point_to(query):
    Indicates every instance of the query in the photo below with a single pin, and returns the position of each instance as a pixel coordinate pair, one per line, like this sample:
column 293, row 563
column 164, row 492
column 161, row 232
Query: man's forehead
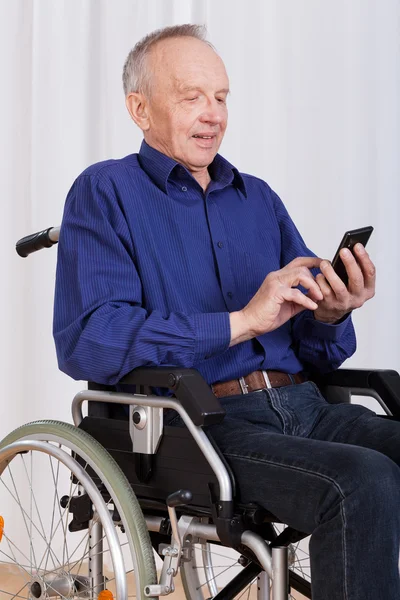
column 188, row 60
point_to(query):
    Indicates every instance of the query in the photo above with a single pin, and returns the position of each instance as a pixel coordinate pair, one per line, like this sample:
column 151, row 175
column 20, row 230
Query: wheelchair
column 119, row 505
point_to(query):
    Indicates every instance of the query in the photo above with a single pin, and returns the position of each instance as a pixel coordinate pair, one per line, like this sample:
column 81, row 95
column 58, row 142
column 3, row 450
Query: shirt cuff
column 326, row 331
column 213, row 334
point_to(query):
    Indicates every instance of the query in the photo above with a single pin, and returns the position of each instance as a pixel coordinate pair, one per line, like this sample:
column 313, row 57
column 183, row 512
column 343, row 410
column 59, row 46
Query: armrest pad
column 189, row 387
column 385, row 382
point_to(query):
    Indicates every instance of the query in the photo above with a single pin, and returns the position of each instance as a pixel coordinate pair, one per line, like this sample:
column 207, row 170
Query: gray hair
column 136, row 76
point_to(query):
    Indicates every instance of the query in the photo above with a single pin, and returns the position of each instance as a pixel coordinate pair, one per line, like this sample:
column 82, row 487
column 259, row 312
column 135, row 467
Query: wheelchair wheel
column 212, row 567
column 61, row 535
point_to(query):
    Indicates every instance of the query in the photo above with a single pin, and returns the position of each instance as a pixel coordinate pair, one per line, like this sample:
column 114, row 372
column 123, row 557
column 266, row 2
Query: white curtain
column 314, row 111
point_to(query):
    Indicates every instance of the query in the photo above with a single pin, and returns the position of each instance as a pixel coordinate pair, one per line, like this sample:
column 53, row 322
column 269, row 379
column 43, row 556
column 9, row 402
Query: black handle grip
column 34, row 242
column 179, row 498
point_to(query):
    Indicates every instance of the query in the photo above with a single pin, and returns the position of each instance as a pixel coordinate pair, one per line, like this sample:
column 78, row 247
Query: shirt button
column 230, row 295
column 220, row 245
column 184, row 189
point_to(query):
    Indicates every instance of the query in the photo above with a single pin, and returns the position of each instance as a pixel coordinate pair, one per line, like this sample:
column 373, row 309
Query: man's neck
column 202, row 177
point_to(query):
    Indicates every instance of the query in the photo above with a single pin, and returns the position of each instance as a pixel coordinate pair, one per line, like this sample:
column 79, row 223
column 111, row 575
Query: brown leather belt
column 258, row 380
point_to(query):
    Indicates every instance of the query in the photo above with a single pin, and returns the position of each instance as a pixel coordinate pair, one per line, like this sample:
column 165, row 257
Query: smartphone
column 350, row 239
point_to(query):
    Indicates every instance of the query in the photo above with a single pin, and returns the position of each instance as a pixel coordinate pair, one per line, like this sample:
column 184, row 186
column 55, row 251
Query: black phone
column 350, row 239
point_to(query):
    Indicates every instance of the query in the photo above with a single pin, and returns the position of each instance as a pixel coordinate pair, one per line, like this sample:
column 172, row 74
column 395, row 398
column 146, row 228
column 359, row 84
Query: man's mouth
column 204, row 137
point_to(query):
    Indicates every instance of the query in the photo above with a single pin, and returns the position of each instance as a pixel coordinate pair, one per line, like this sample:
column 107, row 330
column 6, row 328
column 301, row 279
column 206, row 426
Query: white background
column 314, row 110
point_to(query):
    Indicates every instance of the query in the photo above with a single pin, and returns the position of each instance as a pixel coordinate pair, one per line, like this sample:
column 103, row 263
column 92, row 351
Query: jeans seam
column 290, row 467
column 342, row 511
column 285, row 415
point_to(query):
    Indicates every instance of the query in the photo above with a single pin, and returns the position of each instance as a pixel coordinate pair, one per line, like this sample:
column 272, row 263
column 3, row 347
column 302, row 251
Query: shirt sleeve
column 319, row 346
column 101, row 328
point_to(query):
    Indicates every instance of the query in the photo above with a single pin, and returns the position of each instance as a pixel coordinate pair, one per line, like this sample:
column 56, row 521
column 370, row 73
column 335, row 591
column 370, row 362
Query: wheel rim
column 52, row 561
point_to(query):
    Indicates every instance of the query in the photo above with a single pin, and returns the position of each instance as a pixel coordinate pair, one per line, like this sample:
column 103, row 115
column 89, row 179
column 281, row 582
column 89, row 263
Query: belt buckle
column 266, row 379
column 243, row 385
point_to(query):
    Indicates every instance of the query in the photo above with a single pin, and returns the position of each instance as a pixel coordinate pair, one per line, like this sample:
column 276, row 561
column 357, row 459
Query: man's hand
column 339, row 300
column 277, row 300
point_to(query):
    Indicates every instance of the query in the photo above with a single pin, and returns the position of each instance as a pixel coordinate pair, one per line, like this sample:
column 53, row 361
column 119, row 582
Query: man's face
column 187, row 112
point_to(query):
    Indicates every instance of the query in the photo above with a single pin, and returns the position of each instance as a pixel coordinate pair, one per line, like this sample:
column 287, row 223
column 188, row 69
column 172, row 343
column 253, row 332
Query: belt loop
column 243, row 385
column 266, row 379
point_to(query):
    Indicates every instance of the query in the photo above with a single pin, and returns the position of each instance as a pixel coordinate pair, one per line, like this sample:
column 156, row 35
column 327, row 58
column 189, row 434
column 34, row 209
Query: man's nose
column 214, row 113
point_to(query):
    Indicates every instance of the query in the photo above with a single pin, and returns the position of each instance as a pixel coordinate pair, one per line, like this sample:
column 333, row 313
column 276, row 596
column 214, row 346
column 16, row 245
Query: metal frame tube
column 261, row 550
column 208, row 532
column 96, row 557
column 225, row 486
column 263, row 586
column 280, row 573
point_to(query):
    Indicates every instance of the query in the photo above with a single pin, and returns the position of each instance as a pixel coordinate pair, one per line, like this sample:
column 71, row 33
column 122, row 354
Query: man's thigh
column 299, row 480
column 359, row 426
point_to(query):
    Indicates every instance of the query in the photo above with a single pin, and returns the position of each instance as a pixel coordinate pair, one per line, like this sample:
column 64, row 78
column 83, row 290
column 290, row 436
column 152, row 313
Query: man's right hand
column 277, row 300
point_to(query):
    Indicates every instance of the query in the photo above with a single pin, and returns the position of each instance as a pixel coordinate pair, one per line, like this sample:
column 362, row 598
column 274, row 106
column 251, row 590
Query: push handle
column 36, row 241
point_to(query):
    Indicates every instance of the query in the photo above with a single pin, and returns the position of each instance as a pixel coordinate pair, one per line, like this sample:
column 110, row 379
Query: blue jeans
column 328, row 470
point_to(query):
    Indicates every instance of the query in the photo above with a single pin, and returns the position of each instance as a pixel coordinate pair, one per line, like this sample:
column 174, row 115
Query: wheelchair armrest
column 383, row 381
column 189, row 387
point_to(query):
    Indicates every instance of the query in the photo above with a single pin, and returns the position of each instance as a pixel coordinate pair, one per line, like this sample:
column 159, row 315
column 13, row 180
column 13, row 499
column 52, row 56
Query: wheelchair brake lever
column 173, row 552
column 178, row 498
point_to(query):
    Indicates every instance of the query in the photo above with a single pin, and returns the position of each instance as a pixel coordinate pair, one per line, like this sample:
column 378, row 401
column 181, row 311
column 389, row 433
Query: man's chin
column 201, row 160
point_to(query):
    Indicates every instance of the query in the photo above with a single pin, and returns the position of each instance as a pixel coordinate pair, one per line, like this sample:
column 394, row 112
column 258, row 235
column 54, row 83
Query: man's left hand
column 339, row 300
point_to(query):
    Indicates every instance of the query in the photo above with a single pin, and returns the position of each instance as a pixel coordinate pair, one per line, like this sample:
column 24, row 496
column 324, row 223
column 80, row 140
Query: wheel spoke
column 15, row 560
column 62, row 517
column 219, row 574
column 17, row 595
column 64, row 522
column 23, row 512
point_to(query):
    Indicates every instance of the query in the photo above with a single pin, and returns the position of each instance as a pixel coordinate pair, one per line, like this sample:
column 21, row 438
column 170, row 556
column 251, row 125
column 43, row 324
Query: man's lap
column 297, row 455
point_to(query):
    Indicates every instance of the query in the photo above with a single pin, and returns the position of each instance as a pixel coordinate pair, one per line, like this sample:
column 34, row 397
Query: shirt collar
column 160, row 167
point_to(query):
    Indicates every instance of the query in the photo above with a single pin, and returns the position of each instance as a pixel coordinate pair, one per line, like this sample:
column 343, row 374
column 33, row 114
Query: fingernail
column 345, row 252
column 323, row 265
column 360, row 248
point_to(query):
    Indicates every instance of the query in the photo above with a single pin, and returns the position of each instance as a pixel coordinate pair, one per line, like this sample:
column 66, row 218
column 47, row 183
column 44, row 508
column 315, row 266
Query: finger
column 310, row 262
column 296, row 296
column 306, row 279
column 355, row 274
column 367, row 267
column 301, row 276
column 337, row 285
column 324, row 286
column 313, row 291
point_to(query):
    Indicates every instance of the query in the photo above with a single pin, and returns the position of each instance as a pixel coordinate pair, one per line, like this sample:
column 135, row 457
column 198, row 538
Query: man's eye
column 192, row 99
column 221, row 100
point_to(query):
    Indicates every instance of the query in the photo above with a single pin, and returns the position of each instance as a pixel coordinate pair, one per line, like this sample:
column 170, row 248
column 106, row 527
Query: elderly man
column 172, row 257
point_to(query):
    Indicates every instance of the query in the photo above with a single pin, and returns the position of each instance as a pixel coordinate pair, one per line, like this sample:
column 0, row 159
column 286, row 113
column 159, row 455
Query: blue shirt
column 150, row 266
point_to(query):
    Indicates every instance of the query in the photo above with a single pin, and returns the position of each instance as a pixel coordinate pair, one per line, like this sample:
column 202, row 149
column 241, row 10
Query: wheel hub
column 59, row 584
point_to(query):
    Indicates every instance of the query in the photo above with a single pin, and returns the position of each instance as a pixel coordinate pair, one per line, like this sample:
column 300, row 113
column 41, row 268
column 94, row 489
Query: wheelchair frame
column 193, row 400
column 384, row 386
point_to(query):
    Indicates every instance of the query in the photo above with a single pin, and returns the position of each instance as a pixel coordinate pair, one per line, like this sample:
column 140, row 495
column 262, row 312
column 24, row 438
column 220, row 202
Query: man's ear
column 137, row 107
